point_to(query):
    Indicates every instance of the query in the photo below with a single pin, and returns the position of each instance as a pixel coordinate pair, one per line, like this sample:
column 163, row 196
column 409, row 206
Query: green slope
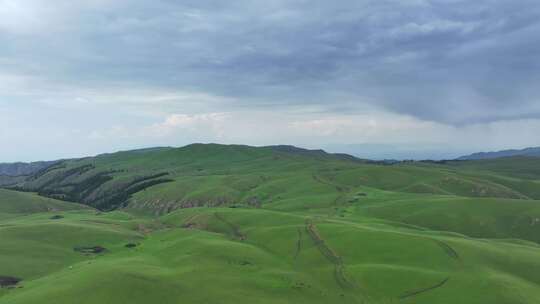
column 228, row 255
column 20, row 203
column 161, row 180
column 238, row 224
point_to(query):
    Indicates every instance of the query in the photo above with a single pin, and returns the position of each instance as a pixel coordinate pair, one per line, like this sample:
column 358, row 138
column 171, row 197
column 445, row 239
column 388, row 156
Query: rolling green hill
column 165, row 179
column 20, row 203
column 239, row 224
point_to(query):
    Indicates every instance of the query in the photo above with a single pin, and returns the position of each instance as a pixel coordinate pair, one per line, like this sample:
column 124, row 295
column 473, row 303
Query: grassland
column 237, row 224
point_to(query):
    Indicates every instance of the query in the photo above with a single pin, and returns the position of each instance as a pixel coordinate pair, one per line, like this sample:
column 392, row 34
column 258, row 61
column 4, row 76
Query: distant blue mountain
column 533, row 152
column 16, row 169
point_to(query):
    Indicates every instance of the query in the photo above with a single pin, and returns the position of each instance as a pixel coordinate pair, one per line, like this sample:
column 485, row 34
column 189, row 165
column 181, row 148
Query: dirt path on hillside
column 330, row 255
column 413, row 293
column 448, row 249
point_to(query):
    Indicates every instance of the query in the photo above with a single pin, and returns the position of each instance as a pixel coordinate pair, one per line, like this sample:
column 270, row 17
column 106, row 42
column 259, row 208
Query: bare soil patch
column 90, row 249
column 7, row 281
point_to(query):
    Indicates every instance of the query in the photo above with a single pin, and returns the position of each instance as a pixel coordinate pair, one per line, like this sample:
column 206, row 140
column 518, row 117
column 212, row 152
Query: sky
column 374, row 78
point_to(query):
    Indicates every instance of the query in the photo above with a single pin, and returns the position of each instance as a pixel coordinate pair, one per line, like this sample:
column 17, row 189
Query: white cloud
column 18, row 16
column 283, row 126
column 208, row 125
column 43, row 17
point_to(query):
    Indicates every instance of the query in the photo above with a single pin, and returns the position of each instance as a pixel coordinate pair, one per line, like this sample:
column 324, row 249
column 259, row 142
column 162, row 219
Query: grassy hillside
column 162, row 180
column 238, row 224
column 517, row 167
column 7, row 180
column 20, row 203
column 255, row 255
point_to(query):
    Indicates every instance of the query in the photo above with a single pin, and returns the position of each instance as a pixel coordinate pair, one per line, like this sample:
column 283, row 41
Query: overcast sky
column 401, row 78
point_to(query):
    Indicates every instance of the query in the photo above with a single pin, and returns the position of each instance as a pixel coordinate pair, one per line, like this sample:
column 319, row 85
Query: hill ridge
column 531, row 151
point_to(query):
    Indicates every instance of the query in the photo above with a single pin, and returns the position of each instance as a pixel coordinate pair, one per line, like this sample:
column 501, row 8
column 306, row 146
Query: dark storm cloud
column 450, row 61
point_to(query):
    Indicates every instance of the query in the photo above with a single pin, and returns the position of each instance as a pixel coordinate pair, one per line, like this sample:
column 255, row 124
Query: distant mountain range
column 17, row 169
column 533, row 152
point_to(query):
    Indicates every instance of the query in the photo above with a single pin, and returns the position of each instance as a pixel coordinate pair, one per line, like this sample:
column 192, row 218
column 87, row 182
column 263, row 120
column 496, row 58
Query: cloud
column 209, row 124
column 352, row 70
column 373, row 133
column 405, row 56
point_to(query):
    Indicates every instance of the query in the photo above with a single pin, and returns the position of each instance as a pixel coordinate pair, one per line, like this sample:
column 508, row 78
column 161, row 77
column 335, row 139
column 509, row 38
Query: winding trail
column 448, row 249
column 413, row 293
column 330, row 255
